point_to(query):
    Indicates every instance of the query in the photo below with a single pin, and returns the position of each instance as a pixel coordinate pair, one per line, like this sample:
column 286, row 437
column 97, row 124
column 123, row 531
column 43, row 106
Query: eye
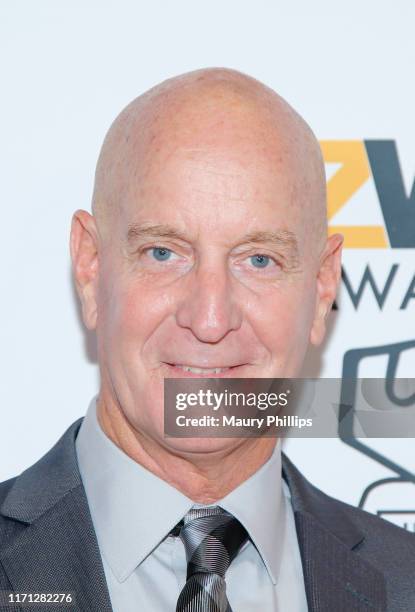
column 260, row 261
column 160, row 253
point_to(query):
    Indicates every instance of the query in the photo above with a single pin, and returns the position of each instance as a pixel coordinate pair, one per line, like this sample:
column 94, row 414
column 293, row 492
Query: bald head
column 206, row 112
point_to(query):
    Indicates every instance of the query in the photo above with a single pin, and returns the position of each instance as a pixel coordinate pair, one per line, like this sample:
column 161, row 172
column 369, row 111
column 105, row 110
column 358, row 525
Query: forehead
column 216, row 188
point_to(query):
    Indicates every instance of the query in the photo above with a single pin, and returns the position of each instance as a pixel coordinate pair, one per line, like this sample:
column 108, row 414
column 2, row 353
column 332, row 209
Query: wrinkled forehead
column 218, row 175
column 252, row 166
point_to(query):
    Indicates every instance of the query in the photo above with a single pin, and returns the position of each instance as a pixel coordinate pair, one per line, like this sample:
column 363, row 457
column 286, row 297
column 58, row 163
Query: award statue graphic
column 391, row 497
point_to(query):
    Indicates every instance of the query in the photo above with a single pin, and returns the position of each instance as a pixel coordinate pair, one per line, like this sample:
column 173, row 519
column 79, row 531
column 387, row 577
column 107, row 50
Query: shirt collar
column 128, row 532
column 258, row 504
column 131, row 508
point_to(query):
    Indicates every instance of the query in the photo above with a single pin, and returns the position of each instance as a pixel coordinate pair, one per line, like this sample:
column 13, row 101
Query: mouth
column 181, row 370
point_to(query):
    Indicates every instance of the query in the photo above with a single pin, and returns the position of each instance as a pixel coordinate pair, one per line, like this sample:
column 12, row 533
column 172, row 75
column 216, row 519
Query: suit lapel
column 52, row 547
column 336, row 577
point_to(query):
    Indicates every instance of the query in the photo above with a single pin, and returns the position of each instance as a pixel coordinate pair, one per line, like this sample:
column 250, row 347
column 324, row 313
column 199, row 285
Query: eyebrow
column 283, row 239
column 137, row 231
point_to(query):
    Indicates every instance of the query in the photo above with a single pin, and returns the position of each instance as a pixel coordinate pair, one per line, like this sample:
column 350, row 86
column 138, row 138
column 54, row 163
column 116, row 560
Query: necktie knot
column 212, row 538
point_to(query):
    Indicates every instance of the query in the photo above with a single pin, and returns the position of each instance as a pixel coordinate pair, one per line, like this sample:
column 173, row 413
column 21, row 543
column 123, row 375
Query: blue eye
column 161, row 254
column 260, row 261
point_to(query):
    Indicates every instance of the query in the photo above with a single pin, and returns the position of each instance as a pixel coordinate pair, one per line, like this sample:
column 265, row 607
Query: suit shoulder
column 6, row 525
column 387, row 546
column 368, row 522
column 335, row 514
column 38, row 488
column 5, row 487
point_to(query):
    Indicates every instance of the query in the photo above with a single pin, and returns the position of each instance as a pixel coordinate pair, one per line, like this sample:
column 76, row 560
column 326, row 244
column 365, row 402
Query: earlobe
column 328, row 279
column 84, row 255
column 318, row 329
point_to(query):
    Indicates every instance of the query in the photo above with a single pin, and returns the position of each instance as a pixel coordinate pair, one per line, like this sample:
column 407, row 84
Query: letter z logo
column 359, row 160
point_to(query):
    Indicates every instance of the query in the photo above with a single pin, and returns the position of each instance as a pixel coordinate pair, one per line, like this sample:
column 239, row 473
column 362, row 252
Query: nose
column 208, row 305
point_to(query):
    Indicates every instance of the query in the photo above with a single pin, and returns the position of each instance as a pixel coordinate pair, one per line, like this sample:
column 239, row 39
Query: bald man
column 206, row 256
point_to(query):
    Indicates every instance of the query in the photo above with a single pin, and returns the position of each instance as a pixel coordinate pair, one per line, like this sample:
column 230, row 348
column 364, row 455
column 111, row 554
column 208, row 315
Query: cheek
column 130, row 313
column 284, row 317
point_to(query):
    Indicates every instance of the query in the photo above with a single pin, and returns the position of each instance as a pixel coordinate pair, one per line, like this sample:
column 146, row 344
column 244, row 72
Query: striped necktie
column 212, row 538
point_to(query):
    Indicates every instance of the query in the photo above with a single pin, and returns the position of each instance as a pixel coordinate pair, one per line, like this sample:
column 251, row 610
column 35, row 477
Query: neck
column 205, row 476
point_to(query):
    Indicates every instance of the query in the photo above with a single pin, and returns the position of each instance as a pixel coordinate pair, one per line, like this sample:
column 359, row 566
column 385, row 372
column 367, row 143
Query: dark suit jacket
column 352, row 560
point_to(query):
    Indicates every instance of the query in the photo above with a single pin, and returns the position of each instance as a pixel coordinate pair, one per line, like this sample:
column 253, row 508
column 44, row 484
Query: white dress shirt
column 133, row 512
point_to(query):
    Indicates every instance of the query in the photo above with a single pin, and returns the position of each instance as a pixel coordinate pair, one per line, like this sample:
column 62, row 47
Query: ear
column 84, row 254
column 328, row 279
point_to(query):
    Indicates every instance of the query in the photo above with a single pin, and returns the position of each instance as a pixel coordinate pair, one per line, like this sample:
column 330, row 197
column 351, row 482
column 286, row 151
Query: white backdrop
column 67, row 68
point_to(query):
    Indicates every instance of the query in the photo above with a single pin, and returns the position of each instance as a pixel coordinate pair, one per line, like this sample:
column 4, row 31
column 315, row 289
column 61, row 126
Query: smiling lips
column 201, row 372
